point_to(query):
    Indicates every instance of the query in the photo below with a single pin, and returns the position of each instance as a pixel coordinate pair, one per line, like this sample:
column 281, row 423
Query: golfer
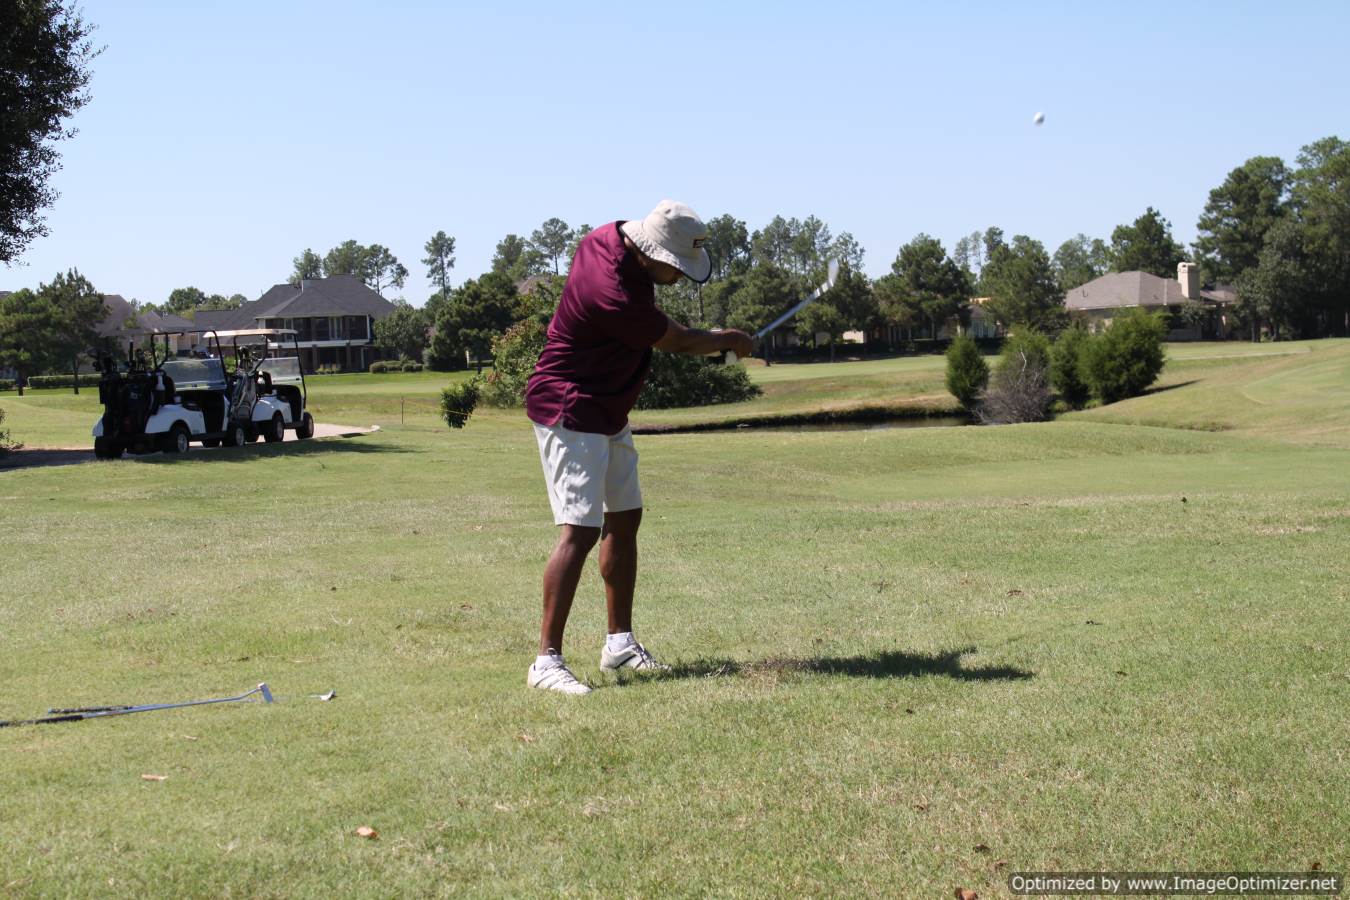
column 587, row 379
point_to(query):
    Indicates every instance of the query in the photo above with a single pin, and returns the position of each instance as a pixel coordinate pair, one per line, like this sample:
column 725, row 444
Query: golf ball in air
column 1039, row 118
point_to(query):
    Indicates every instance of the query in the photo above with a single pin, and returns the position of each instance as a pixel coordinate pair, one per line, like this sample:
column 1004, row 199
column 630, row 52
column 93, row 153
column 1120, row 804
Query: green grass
column 896, row 648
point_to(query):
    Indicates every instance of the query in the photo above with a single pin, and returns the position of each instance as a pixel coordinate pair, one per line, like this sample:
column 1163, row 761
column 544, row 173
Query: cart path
column 69, row 456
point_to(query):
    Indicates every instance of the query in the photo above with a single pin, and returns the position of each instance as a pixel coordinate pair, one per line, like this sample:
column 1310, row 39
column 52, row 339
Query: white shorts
column 588, row 474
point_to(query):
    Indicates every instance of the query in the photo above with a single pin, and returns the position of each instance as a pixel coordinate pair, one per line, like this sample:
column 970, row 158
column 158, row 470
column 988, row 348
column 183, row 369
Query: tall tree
column 849, row 305
column 27, row 333
column 1321, row 199
column 516, row 259
column 990, row 241
column 307, row 266
column 347, row 258
column 928, row 282
column 551, row 240
column 574, row 241
column 440, row 259
column 45, row 53
column 1146, row 246
column 768, row 290
column 809, row 245
column 382, row 269
column 728, row 246
column 1079, row 260
column 1232, row 229
column 77, row 311
column 1021, row 286
column 403, row 332
column 773, row 243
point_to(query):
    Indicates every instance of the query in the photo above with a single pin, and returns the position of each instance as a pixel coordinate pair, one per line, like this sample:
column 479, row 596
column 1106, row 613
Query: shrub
column 1125, row 359
column 1068, row 359
column 1026, row 345
column 6, row 444
column 458, row 402
column 409, row 365
column 6, row 384
column 379, row 367
column 62, row 381
column 514, row 355
column 967, row 372
column 677, row 379
column 1019, row 390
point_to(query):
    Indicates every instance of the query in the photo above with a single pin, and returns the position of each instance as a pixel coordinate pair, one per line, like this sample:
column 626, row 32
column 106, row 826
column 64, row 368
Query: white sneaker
column 556, row 677
column 634, row 656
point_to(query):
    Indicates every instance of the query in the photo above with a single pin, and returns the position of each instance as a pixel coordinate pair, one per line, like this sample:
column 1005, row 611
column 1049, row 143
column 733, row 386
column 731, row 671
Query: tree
column 967, row 372
column 1321, row 199
column 440, row 259
column 478, row 311
column 991, row 240
column 767, row 292
column 347, row 258
column 45, row 53
column 728, row 246
column 773, row 244
column 1078, row 261
column 403, row 333
column 1232, row 229
column 383, row 270
column 1021, row 285
column 968, row 253
column 1019, row 389
column 27, row 338
column 308, row 266
column 928, row 282
column 183, row 300
column 1276, row 291
column 849, row 305
column 1067, row 361
column 574, row 241
column 1146, row 246
column 516, row 259
column 79, row 310
column 550, row 240
column 809, row 245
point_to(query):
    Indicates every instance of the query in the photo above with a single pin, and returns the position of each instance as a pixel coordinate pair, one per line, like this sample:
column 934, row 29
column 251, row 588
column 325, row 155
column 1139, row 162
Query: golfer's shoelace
column 645, row 660
column 557, row 675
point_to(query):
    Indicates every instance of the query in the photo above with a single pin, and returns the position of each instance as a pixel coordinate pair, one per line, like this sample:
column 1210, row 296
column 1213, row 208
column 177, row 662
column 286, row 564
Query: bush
column 6, row 384
column 1124, row 360
column 62, row 381
column 409, row 365
column 677, row 379
column 379, row 367
column 458, row 402
column 967, row 372
column 1019, row 390
column 515, row 354
column 6, row 444
column 1068, row 360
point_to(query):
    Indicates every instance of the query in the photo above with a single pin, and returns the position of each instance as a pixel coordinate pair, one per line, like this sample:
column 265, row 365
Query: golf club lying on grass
column 79, row 713
column 831, row 275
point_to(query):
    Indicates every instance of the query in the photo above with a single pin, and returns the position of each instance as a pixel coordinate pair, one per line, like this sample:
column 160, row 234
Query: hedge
column 63, row 381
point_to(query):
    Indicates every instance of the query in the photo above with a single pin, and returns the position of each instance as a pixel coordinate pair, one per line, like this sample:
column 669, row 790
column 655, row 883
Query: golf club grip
column 76, row 717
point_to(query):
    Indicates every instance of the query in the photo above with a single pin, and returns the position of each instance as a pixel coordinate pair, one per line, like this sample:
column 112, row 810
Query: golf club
column 76, row 714
column 831, row 274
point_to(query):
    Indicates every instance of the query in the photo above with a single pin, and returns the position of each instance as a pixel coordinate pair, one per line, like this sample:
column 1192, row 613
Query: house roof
column 119, row 311
column 1120, row 290
column 337, row 295
column 1221, row 293
column 154, row 321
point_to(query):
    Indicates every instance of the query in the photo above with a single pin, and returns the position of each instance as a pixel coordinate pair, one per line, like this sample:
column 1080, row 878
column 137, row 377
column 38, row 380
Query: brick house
column 334, row 319
column 1103, row 299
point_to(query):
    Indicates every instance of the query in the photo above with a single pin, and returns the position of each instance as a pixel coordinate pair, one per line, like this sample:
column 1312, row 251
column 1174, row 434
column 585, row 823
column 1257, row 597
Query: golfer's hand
column 738, row 342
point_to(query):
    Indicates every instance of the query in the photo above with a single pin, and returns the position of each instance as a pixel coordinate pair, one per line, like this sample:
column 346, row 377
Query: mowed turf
column 909, row 660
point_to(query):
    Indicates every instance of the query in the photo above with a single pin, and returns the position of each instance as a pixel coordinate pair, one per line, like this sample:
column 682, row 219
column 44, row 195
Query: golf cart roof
column 256, row 332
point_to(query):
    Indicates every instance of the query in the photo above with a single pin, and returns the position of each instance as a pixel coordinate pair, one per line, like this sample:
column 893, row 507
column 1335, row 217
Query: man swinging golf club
column 587, row 379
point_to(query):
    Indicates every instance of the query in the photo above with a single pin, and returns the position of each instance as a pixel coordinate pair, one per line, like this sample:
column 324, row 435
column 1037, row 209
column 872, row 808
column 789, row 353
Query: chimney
column 1189, row 276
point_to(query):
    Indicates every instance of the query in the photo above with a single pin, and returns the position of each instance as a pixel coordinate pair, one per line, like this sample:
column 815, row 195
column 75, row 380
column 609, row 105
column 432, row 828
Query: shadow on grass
column 886, row 664
column 320, row 446
column 1169, row 387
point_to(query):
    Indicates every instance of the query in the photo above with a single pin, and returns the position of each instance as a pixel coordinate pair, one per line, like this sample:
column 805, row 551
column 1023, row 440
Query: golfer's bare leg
column 618, row 566
column 560, row 582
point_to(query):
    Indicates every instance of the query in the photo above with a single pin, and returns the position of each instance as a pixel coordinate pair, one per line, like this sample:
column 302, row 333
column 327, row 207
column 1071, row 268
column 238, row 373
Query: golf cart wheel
column 236, row 436
column 306, row 428
column 178, row 439
column 106, row 449
column 276, row 430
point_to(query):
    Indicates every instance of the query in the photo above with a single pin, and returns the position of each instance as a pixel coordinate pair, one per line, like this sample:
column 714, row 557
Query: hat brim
column 697, row 267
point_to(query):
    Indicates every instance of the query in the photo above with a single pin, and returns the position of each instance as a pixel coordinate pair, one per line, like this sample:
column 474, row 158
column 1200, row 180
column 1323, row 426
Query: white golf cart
column 163, row 402
column 268, row 394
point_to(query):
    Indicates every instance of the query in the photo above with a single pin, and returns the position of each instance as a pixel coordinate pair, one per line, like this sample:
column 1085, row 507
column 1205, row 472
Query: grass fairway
column 910, row 660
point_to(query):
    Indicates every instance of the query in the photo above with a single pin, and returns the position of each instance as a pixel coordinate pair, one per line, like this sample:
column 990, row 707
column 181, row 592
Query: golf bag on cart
column 129, row 400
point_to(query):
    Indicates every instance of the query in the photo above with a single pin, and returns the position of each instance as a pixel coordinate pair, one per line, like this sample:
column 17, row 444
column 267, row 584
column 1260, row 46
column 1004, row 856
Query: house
column 1103, row 299
column 334, row 319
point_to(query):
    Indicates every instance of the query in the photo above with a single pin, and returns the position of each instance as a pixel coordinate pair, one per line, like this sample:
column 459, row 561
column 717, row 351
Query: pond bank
column 861, row 417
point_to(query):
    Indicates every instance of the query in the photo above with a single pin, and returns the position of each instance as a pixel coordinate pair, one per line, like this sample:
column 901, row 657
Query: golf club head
column 266, row 692
column 832, row 273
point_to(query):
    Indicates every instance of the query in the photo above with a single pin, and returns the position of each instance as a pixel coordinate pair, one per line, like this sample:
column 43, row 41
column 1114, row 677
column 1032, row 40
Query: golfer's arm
column 695, row 341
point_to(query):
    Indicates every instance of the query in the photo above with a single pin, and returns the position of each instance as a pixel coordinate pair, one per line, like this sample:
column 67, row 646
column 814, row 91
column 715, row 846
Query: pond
column 789, row 424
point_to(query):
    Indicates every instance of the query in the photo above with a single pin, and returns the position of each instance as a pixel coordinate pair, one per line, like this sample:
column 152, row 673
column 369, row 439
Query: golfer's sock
column 616, row 642
column 543, row 661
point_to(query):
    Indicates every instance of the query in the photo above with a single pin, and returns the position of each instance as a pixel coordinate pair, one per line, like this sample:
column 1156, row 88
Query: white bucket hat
column 673, row 234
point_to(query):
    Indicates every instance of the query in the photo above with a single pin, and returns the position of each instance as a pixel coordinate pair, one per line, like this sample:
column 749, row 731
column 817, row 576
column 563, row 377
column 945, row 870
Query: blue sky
column 223, row 139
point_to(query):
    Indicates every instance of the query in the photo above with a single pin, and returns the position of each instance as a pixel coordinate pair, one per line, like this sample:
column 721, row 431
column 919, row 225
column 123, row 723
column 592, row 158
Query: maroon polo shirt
column 600, row 340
